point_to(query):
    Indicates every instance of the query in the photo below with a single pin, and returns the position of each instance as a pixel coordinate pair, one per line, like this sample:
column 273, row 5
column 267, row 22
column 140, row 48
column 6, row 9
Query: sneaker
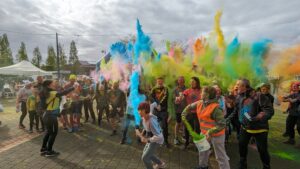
column 51, row 153
column 43, row 151
column 290, row 141
column 21, row 126
column 30, row 131
column 176, row 141
column 160, row 166
column 70, row 130
column 122, row 142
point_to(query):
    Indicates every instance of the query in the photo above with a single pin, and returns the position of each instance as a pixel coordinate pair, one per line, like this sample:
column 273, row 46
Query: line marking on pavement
column 6, row 145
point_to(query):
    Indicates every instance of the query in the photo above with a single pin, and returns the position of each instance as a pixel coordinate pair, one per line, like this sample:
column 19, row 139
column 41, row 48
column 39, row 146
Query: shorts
column 178, row 118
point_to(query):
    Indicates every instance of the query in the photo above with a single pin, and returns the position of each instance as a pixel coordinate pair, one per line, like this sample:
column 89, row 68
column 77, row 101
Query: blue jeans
column 148, row 155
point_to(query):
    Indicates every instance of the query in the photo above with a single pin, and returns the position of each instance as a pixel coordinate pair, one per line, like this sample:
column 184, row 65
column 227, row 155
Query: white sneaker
column 160, row 166
column 176, row 141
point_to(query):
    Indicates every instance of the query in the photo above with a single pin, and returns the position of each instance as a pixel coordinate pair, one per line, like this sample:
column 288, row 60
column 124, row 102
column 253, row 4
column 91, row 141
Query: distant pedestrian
column 31, row 103
column 22, row 97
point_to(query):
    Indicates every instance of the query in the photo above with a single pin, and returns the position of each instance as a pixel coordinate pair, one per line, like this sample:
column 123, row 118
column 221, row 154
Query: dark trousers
column 51, row 124
column 40, row 116
column 100, row 113
column 33, row 116
column 193, row 121
column 129, row 118
column 88, row 107
column 290, row 123
column 262, row 147
column 163, row 120
column 23, row 111
column 234, row 125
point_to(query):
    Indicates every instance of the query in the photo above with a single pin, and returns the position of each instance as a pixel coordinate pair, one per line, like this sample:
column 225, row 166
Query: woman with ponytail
column 51, row 102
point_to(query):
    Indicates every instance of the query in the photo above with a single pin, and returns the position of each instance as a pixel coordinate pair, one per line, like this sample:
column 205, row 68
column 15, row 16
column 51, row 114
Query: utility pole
column 57, row 57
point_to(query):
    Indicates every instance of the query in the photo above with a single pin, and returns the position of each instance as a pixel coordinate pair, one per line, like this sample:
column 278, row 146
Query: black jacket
column 294, row 107
column 253, row 104
column 160, row 96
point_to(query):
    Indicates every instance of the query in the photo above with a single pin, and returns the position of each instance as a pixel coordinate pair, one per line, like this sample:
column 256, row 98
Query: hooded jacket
column 249, row 105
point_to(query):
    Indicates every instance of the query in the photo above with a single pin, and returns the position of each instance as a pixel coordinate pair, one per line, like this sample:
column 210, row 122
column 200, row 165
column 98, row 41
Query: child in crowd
column 31, row 104
column 153, row 138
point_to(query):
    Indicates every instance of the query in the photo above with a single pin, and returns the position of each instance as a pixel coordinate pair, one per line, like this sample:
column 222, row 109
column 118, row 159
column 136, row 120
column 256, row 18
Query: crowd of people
column 210, row 112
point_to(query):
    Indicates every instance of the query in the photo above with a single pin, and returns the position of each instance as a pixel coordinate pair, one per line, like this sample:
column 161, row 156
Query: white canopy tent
column 23, row 68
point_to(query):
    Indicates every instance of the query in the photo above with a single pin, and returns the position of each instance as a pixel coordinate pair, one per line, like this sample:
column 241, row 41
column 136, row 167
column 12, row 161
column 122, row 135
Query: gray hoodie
column 152, row 126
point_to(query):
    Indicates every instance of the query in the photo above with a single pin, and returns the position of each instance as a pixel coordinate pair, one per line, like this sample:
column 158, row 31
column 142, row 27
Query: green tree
column 63, row 57
column 51, row 59
column 73, row 53
column 73, row 58
column 6, row 57
column 22, row 54
column 37, row 57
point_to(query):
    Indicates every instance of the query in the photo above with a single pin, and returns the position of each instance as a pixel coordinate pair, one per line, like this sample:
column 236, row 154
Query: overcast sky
column 95, row 24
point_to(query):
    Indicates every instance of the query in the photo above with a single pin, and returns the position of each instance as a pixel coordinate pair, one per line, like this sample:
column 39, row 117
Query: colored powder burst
column 196, row 59
column 218, row 31
column 134, row 97
column 230, row 57
column 289, row 61
column 119, row 49
column 168, row 45
column 198, row 49
column 194, row 135
column 285, row 155
column 258, row 52
column 143, row 44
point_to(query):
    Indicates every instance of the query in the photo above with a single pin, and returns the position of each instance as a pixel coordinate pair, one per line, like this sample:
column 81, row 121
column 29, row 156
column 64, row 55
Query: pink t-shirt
column 191, row 96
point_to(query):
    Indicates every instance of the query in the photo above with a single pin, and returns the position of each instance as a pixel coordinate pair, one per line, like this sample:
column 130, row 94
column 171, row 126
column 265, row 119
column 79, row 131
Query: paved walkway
column 90, row 148
column 94, row 148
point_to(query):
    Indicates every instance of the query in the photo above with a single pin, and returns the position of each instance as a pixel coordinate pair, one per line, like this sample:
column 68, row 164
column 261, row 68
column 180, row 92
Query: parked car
column 7, row 93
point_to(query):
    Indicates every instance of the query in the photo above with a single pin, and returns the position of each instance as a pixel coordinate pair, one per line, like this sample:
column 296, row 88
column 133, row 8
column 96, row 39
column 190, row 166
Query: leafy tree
column 73, row 59
column 22, row 54
column 73, row 53
column 63, row 57
column 6, row 57
column 37, row 57
column 51, row 59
